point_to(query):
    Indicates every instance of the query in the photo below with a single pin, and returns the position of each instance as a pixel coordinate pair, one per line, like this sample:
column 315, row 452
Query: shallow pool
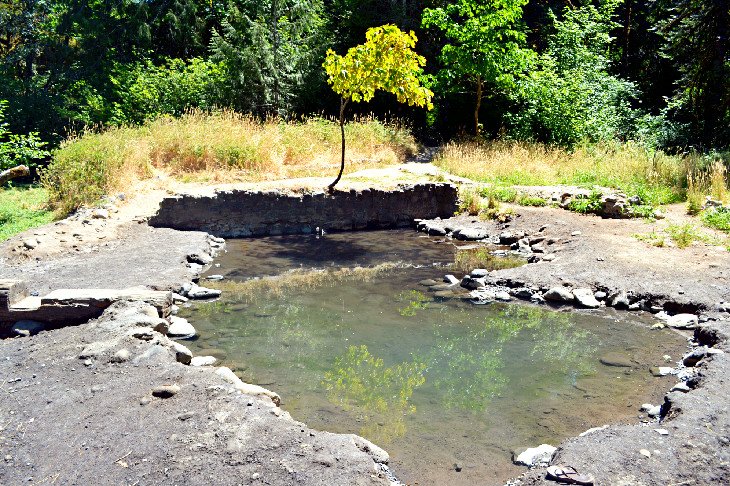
column 448, row 388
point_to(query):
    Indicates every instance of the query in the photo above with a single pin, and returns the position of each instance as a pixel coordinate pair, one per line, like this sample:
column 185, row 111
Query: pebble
column 534, row 456
column 661, row 431
column 681, row 387
column 182, row 354
column 203, row 361
column 165, row 391
column 576, row 233
column 198, row 292
column 645, row 453
column 429, row 282
column 503, row 296
column 180, row 328
column 120, row 356
column 100, row 213
column 30, row 243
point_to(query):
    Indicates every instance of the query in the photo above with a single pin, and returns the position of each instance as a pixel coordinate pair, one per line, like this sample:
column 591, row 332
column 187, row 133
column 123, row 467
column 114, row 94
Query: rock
column 592, row 430
column 120, row 356
column 692, row 358
column 444, row 294
column 535, row 456
column 470, row 234
column 378, row 454
column 651, row 410
column 165, row 391
column 507, row 237
column 177, row 298
column 682, row 321
column 618, row 299
column 549, row 257
column 472, row 283
column 451, row 280
column 559, row 294
column 203, row 361
column 200, row 258
column 524, row 293
column 182, row 353
column 214, row 277
column 27, row 328
column 584, row 298
column 429, row 282
column 246, row 388
column 142, row 333
column 681, row 387
column 537, row 248
column 661, row 370
column 600, row 295
column 479, row 273
column 523, row 246
column 30, row 243
column 180, row 328
column 616, row 359
column 661, row 431
column 100, row 213
column 197, row 292
column 713, row 351
column 503, row 296
column 645, row 453
column 576, row 233
column 658, row 325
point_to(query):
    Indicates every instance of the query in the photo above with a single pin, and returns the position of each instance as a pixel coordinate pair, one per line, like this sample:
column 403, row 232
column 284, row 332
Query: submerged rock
column 616, row 359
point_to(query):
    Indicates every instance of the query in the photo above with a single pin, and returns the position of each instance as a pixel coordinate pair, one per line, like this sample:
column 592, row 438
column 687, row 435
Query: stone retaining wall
column 239, row 213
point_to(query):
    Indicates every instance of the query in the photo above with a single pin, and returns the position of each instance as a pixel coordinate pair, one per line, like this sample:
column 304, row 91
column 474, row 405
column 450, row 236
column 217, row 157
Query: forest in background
column 555, row 71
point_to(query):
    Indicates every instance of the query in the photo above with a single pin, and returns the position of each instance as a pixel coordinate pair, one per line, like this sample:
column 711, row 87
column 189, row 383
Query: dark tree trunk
column 343, row 105
column 478, row 105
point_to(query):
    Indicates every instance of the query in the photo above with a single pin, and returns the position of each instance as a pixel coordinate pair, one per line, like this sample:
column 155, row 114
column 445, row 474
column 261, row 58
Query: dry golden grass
column 219, row 147
column 718, row 186
column 625, row 166
column 278, row 286
column 468, row 259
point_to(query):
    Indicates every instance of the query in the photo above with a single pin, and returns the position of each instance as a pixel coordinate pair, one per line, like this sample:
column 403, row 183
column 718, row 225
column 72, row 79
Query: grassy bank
column 22, row 208
column 656, row 177
column 217, row 148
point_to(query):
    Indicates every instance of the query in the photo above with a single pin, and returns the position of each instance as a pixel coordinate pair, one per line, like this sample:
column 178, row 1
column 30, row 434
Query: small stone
column 682, row 321
column 503, row 296
column 185, row 416
column 203, row 361
column 429, row 282
column 165, row 391
column 559, row 294
column 661, row 431
column 177, row 298
column 600, row 295
column 584, row 298
column 214, row 277
column 255, row 476
column 182, row 354
column 658, row 325
column 576, row 233
column 200, row 258
column 470, row 234
column 549, row 257
column 457, row 467
column 661, row 370
column 100, row 213
column 30, row 243
column 451, row 280
column 645, row 453
column 145, row 401
column 479, row 273
column 616, row 359
column 197, row 292
column 180, row 328
column 534, row 456
column 618, row 299
column 681, row 387
column 27, row 328
column 88, row 362
column 120, row 356
column 692, row 358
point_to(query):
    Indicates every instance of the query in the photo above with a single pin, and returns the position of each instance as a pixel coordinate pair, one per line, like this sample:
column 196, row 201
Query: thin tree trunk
column 478, row 105
column 343, row 105
column 19, row 171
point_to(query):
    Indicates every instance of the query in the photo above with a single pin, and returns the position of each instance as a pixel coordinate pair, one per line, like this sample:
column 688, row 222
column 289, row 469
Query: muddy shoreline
column 602, row 257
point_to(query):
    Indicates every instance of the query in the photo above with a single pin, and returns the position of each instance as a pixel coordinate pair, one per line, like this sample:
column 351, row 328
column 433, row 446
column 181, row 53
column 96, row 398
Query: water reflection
column 380, row 396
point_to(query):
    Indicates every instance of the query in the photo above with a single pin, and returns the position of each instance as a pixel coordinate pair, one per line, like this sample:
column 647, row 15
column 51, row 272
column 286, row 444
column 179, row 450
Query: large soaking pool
column 450, row 389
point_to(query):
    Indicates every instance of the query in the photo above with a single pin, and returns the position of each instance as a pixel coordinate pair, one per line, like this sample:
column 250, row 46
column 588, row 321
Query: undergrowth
column 22, row 208
column 468, row 259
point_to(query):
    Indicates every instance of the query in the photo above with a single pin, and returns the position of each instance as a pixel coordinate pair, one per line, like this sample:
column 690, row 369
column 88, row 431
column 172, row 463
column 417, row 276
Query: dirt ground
column 63, row 422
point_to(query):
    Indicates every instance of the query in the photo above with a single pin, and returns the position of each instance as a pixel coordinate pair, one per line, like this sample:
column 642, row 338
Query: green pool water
column 437, row 383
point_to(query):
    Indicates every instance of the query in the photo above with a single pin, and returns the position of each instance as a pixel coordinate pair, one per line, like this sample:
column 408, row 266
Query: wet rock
column 616, row 359
column 682, row 321
column 214, row 278
column 120, row 356
column 661, row 370
column 444, row 294
column 197, row 292
column 524, row 293
column 203, row 361
column 534, row 456
column 508, row 237
column 165, row 391
column 472, row 283
column 618, row 299
column 246, row 388
column 584, row 298
column 451, row 280
column 182, row 353
column 559, row 294
column 27, row 328
column 692, row 358
column 429, row 282
column 470, row 234
column 180, row 328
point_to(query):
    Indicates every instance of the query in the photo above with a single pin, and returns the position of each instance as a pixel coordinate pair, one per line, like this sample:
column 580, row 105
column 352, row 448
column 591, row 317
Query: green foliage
column 526, row 200
column 416, row 301
column 22, row 208
column 683, row 235
column 572, row 97
column 485, row 45
column 717, row 218
column 589, row 204
column 386, row 61
column 18, row 149
column 467, row 260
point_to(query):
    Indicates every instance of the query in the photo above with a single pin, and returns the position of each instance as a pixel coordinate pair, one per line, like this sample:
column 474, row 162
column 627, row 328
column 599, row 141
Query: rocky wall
column 239, row 213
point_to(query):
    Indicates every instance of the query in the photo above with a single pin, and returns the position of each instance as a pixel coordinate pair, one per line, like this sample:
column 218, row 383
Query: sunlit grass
column 468, row 259
column 22, row 208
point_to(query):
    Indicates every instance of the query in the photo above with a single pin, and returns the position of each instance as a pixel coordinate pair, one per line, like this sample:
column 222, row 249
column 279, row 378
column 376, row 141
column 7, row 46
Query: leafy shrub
column 527, row 200
column 589, row 204
column 18, row 149
column 717, row 218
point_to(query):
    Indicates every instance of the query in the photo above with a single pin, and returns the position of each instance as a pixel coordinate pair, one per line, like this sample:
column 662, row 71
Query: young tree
column 387, row 62
column 485, row 46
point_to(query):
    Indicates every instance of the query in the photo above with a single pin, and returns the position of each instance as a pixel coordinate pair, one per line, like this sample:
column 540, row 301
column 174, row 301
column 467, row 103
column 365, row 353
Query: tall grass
column 656, row 177
column 220, row 147
column 22, row 208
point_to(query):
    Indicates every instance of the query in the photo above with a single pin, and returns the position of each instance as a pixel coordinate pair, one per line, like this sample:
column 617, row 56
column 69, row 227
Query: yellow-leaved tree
column 386, row 62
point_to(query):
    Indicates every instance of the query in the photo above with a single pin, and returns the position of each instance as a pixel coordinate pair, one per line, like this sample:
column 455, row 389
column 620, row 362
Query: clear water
column 434, row 382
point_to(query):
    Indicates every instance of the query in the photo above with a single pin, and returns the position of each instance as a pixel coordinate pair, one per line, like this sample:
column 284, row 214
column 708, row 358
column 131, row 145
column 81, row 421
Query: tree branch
column 19, row 171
